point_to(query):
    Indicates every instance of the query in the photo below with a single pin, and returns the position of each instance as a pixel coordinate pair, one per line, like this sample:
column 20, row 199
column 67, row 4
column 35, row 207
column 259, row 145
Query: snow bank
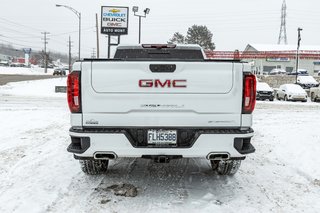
column 24, row 71
column 37, row 88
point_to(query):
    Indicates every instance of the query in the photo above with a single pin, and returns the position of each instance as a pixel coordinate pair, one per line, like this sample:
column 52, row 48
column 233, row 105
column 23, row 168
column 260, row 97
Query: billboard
column 114, row 20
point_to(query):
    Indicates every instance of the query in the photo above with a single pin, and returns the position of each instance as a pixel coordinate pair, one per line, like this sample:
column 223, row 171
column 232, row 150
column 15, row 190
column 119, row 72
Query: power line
column 19, row 40
column 17, row 31
column 77, row 31
column 18, row 44
column 18, row 24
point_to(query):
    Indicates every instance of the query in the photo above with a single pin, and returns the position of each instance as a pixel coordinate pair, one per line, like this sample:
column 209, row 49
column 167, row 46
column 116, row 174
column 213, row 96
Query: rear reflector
column 73, row 92
column 249, row 93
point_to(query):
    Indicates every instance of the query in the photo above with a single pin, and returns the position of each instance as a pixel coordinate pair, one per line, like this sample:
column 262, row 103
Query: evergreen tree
column 177, row 38
column 201, row 35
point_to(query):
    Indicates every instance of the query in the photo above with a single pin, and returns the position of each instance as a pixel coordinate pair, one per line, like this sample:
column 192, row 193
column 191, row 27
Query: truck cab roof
column 167, row 52
column 160, row 46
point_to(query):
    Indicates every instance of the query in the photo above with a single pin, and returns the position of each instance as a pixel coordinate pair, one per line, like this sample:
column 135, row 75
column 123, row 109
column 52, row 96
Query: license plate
column 162, row 136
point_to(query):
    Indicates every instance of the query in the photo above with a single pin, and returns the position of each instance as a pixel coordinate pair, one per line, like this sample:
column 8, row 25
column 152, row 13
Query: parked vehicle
column 59, row 71
column 277, row 72
column 17, row 65
column 264, row 91
column 306, row 82
column 4, row 63
column 291, row 92
column 300, row 72
column 315, row 94
column 161, row 102
column 51, row 66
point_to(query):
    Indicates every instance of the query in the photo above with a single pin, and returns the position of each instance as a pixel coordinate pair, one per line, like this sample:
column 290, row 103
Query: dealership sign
column 114, row 20
column 27, row 50
column 278, row 59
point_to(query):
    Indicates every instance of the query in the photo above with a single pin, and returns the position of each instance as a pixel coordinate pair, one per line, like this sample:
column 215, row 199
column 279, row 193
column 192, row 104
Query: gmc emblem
column 162, row 84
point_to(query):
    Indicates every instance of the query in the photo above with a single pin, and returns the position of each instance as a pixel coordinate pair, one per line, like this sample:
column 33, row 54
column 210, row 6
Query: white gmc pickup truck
column 161, row 102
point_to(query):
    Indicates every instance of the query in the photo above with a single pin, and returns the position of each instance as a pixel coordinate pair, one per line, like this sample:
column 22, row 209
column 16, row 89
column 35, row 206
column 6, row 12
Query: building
column 263, row 58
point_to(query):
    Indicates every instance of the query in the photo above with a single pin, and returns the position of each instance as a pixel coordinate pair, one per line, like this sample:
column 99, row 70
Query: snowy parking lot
column 37, row 174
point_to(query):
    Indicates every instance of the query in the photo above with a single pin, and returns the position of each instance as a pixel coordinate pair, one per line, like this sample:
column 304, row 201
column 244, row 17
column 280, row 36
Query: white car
column 277, row 72
column 307, row 82
column 291, row 92
column 300, row 72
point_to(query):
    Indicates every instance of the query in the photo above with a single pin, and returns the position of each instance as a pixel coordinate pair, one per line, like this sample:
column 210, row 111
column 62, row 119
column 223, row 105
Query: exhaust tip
column 218, row 156
column 104, row 156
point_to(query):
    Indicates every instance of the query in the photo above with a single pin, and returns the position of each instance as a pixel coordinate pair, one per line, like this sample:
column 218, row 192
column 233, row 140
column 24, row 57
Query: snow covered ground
column 24, row 71
column 37, row 174
column 39, row 88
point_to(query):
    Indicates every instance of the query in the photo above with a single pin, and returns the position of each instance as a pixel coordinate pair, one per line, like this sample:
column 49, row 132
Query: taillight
column 74, row 92
column 249, row 93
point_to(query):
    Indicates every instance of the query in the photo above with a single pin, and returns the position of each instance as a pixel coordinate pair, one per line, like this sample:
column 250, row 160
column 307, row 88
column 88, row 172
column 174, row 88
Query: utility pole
column 97, row 30
column 45, row 51
column 297, row 56
column 70, row 65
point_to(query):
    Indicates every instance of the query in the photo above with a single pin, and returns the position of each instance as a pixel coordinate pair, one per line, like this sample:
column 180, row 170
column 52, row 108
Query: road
column 38, row 175
column 4, row 79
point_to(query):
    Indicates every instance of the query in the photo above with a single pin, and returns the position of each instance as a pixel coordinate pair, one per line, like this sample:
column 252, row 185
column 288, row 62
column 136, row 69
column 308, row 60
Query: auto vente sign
column 114, row 20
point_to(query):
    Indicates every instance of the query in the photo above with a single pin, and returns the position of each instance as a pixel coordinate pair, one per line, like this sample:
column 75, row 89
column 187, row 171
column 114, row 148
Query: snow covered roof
column 177, row 46
column 281, row 47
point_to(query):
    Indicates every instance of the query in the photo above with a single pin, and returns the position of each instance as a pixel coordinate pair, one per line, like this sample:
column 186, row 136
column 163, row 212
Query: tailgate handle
column 162, row 67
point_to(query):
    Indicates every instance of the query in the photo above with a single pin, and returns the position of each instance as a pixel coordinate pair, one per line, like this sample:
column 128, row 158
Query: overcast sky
column 234, row 23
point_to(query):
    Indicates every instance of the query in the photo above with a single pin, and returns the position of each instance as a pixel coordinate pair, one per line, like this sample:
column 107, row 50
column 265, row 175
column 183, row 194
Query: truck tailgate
column 198, row 94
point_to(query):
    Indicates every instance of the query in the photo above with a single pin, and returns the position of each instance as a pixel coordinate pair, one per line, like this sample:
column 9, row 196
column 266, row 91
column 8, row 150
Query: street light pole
column 78, row 14
column 297, row 56
column 139, row 29
column 79, row 34
column 146, row 11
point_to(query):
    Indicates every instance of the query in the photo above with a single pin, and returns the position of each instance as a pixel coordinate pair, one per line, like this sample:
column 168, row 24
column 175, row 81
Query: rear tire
column 286, row 98
column 278, row 98
column 226, row 167
column 94, row 167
